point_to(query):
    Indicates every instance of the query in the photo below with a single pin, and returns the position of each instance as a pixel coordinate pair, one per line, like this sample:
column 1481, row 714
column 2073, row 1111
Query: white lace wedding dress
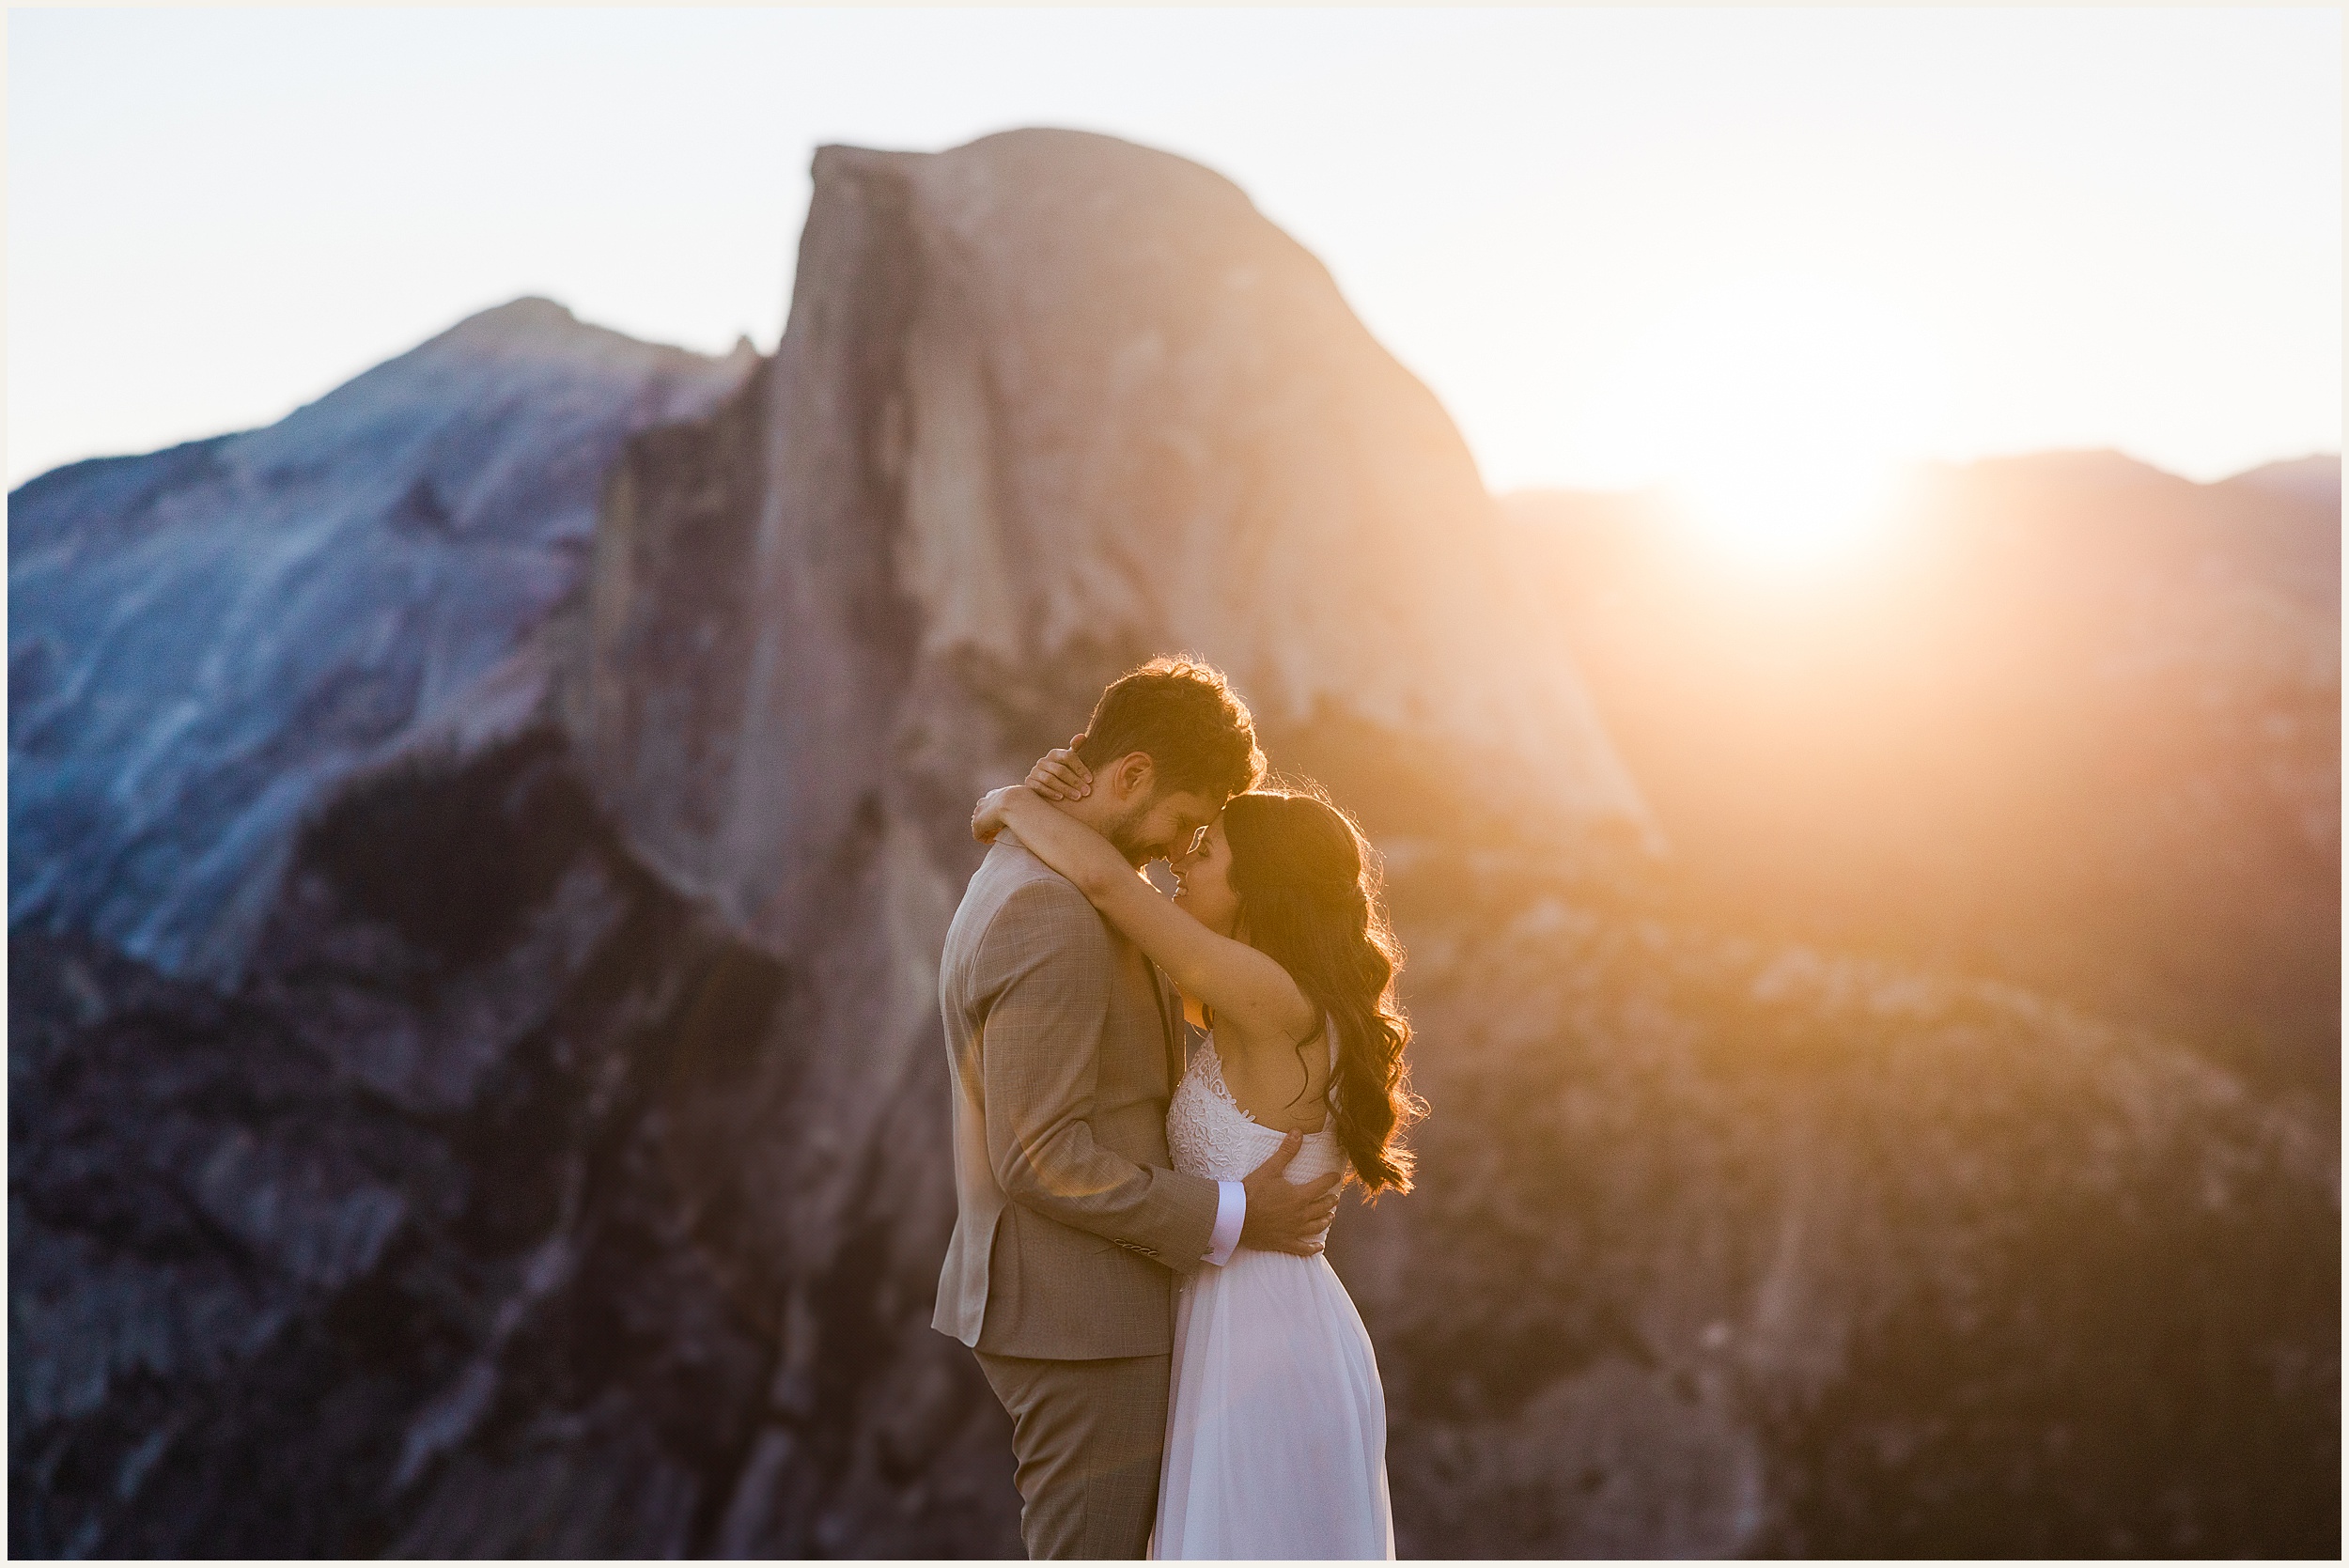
column 1276, row 1433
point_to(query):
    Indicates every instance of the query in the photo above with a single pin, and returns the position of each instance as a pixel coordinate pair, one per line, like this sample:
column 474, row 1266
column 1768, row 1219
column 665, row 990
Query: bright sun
column 1777, row 413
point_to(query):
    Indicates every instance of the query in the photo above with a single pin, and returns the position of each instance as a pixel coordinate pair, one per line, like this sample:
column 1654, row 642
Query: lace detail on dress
column 1209, row 1135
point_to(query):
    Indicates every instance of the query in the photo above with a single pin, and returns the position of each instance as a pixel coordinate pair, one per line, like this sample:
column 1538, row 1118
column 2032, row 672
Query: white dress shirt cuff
column 1231, row 1214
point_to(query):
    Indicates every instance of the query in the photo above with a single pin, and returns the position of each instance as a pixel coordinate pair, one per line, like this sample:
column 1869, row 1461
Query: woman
column 1276, row 1428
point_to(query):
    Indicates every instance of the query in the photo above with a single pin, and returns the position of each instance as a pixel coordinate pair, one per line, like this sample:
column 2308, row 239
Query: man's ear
column 1133, row 773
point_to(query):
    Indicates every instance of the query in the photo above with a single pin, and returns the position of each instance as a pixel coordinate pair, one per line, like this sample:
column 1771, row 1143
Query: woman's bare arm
column 1229, row 976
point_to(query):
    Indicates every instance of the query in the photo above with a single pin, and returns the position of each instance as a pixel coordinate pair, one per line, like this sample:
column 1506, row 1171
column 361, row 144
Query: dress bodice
column 1210, row 1136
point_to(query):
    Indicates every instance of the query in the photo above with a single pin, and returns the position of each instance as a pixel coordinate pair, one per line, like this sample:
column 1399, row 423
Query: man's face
column 1164, row 828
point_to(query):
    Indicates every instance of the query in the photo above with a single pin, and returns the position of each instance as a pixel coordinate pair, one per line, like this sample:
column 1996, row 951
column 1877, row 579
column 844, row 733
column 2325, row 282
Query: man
column 1064, row 1042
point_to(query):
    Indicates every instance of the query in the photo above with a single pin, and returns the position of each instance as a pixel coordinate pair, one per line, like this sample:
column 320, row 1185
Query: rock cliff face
column 204, row 643
column 560, row 1167
column 1046, row 404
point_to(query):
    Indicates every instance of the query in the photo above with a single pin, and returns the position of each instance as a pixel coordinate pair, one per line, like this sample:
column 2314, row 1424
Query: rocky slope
column 1731, row 1247
column 560, row 1168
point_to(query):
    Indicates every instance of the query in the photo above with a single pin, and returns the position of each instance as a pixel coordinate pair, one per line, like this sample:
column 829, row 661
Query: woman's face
column 1202, row 883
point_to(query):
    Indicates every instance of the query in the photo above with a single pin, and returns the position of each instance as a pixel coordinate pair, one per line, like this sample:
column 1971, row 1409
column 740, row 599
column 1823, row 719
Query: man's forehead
column 1195, row 808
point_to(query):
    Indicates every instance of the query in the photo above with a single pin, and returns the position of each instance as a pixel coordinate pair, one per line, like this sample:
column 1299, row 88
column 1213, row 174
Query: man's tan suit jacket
column 1063, row 1046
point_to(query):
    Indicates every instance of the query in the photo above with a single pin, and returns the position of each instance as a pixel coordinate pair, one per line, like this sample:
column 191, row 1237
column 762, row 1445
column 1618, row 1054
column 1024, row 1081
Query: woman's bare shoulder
column 1278, row 1077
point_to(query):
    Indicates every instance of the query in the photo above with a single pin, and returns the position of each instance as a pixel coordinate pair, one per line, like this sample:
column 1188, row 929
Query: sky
column 1616, row 244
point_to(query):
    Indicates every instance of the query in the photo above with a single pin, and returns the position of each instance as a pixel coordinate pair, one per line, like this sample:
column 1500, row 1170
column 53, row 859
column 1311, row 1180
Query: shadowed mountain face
column 561, row 1166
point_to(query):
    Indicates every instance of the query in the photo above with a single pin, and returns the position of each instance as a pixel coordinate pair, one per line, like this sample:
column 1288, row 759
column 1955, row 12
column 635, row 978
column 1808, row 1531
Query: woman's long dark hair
column 1308, row 900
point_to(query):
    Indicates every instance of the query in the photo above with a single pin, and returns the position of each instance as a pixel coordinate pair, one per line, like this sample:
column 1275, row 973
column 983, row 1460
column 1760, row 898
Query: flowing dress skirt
column 1276, row 1435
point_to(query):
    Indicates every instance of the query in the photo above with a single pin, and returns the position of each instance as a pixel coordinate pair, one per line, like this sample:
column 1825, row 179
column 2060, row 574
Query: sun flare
column 1777, row 414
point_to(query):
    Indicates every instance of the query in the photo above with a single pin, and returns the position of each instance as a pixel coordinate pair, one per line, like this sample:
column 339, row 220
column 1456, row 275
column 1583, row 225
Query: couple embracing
column 1136, row 1258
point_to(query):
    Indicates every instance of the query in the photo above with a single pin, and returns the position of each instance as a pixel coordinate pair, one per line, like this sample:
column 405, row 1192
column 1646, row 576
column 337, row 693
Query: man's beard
column 1125, row 836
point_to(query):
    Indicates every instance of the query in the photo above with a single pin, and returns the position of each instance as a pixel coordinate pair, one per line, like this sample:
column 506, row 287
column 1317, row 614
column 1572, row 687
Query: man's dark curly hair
column 1187, row 717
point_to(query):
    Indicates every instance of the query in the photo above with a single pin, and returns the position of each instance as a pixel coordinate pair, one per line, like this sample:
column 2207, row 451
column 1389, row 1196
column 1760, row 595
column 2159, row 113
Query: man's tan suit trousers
column 1087, row 1437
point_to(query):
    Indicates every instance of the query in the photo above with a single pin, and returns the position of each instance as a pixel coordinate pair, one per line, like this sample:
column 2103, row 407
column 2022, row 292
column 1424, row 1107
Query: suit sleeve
column 1048, row 969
